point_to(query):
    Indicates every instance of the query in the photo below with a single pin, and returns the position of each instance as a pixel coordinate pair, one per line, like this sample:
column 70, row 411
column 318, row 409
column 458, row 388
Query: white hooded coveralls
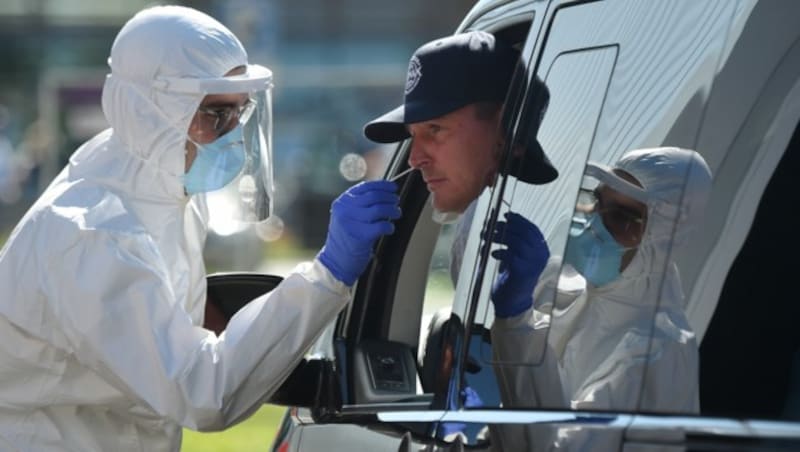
column 625, row 346
column 101, row 344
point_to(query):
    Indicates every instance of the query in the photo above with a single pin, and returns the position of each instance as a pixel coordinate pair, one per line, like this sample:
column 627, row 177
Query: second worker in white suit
column 605, row 328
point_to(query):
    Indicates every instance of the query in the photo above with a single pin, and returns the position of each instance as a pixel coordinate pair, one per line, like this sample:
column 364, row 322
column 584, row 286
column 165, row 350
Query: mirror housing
column 313, row 384
column 227, row 293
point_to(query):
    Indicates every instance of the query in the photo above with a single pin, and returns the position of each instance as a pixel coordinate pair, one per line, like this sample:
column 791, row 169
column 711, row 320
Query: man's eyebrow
column 435, row 126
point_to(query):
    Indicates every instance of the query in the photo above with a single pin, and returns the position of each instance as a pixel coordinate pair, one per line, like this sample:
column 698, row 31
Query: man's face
column 457, row 154
column 624, row 217
column 205, row 126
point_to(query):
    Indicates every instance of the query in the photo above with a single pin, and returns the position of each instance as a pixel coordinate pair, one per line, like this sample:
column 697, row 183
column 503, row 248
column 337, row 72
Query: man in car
column 453, row 111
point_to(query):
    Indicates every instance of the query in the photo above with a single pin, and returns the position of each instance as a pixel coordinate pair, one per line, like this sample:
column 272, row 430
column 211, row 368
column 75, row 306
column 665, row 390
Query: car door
column 620, row 75
column 406, row 316
column 625, row 75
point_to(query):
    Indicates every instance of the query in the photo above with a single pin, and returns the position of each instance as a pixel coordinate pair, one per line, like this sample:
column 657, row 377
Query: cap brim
column 607, row 176
column 389, row 128
column 534, row 167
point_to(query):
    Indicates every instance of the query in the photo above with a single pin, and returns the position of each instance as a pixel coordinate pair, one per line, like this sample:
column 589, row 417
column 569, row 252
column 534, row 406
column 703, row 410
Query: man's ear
column 499, row 144
column 518, row 150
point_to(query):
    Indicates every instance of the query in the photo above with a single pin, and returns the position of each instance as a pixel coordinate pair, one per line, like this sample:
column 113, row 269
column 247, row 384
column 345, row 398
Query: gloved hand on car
column 470, row 399
column 359, row 216
column 521, row 263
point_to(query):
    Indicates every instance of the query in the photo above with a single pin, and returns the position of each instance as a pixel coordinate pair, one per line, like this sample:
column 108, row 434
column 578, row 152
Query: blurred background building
column 336, row 63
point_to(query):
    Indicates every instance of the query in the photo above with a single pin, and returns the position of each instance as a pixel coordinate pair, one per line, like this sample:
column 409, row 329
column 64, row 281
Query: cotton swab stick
column 398, row 176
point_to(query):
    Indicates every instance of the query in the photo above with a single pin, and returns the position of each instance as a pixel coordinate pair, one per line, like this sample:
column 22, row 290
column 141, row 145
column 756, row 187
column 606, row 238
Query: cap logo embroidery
column 414, row 74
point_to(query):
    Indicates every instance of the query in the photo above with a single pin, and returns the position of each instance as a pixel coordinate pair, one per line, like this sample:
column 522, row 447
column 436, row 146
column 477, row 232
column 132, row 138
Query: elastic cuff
column 331, row 266
column 316, row 271
column 512, row 311
column 514, row 321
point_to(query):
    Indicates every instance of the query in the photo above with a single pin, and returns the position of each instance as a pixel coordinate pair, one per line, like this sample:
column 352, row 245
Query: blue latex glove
column 470, row 399
column 521, row 264
column 359, row 216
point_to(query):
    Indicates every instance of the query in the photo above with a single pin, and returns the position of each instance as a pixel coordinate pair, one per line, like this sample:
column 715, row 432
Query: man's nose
column 418, row 157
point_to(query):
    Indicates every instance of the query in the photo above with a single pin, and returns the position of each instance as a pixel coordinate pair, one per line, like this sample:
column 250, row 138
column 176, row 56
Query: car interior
column 392, row 349
column 749, row 355
column 393, row 327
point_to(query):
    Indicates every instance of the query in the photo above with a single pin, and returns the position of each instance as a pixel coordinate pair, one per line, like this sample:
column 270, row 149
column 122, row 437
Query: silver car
column 718, row 76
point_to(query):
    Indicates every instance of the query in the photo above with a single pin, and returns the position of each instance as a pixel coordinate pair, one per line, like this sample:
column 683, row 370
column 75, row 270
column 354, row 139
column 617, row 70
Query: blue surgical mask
column 217, row 163
column 592, row 250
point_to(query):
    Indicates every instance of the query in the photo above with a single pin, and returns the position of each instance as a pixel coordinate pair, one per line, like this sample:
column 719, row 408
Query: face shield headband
column 605, row 174
column 234, row 171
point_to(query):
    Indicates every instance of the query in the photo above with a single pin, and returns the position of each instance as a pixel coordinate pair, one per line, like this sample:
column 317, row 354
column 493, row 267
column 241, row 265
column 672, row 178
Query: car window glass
column 607, row 330
column 525, row 359
column 437, row 304
column 576, row 82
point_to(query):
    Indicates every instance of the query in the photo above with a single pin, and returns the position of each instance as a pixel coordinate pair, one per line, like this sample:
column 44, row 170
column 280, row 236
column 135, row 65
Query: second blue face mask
column 217, row 163
column 593, row 252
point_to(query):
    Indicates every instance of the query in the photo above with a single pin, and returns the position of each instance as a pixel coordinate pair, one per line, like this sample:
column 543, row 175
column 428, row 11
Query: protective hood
column 622, row 345
column 141, row 158
column 675, row 185
column 677, row 182
column 148, row 123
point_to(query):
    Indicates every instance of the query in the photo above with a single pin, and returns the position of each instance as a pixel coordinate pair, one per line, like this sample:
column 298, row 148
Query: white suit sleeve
column 122, row 320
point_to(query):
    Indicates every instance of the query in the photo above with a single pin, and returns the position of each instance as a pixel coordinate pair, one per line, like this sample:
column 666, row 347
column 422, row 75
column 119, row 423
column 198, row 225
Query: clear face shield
column 230, row 141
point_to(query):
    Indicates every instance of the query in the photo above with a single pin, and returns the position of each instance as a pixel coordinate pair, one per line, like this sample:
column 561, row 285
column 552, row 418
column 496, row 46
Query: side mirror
column 229, row 292
column 312, row 384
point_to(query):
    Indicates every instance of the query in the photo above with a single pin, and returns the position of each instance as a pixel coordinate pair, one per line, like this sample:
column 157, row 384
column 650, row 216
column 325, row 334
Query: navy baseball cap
column 449, row 73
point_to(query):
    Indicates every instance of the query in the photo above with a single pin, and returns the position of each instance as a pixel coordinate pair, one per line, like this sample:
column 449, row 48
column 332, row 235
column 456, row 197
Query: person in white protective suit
column 103, row 279
column 607, row 329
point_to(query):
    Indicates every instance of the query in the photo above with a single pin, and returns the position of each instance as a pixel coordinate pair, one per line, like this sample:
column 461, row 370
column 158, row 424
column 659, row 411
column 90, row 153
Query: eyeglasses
column 625, row 224
column 219, row 119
